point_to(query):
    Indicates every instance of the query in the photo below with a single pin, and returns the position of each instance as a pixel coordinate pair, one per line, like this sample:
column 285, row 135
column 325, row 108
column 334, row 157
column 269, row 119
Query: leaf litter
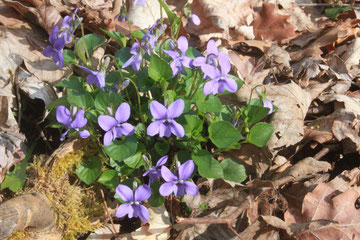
column 309, row 67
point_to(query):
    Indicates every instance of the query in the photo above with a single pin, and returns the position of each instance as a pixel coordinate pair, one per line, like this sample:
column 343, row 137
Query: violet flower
column 165, row 123
column 55, row 49
column 132, row 207
column 116, row 127
column 64, row 116
column 269, row 104
column 178, row 184
column 69, row 24
column 147, row 43
column 96, row 78
column 136, row 58
column 179, row 61
column 141, row 2
column 154, row 172
column 219, row 80
column 195, row 19
column 211, row 55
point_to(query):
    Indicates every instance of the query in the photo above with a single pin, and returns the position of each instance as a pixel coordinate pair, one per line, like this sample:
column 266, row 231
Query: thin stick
column 234, row 231
column 107, row 212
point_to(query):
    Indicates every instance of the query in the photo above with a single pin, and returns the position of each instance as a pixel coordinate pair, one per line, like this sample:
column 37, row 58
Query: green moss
column 73, row 205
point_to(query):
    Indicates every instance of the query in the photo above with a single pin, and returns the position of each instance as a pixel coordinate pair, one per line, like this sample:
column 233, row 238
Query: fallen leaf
column 337, row 210
column 271, row 26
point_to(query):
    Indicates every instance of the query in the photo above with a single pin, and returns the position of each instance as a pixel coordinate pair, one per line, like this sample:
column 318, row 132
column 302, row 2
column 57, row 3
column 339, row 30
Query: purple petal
column 211, row 48
column 136, row 62
column 92, row 79
column 210, row 70
column 186, row 61
column 224, row 63
column 211, row 87
column 221, row 87
column 125, row 129
column 53, row 34
column 123, row 210
column 100, row 80
column 63, row 115
column 173, row 54
column 63, row 135
column 230, row 84
column 165, row 130
column 175, row 109
column 122, row 113
column 174, row 67
column 182, row 44
column 142, row 193
column 158, row 111
column 186, row 170
column 125, row 193
column 48, row 51
column 108, row 138
column 131, row 211
column 269, row 104
column 147, row 172
column 66, row 23
column 162, row 161
column 84, row 133
column 88, row 70
column 59, row 44
column 143, row 213
column 177, row 129
column 191, row 188
column 180, row 190
column 59, row 59
column 106, row 122
column 197, row 62
column 135, row 48
column 195, row 19
column 167, row 175
column 167, row 188
column 153, row 128
column 129, row 62
column 142, row 2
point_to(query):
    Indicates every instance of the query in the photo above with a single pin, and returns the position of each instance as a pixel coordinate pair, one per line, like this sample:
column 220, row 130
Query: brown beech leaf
column 271, row 26
column 327, row 204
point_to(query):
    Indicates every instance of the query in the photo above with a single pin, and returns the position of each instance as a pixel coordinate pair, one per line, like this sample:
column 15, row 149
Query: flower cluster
column 66, row 117
column 59, row 37
column 177, row 184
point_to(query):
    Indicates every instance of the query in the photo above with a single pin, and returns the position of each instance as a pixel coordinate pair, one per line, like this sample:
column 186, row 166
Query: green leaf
column 90, row 170
column 139, row 34
column 260, row 134
column 15, row 179
column 109, row 178
column 119, row 38
column 143, row 80
column 256, row 113
column 92, row 42
column 233, row 170
column 107, row 99
column 159, row 69
column 192, row 124
column 122, row 56
column 72, row 83
column 223, row 134
column 120, row 150
column 69, row 56
column 156, row 200
column 207, row 165
column 162, row 148
column 192, row 53
column 334, row 12
column 134, row 161
column 209, row 103
column 80, row 98
column 174, row 19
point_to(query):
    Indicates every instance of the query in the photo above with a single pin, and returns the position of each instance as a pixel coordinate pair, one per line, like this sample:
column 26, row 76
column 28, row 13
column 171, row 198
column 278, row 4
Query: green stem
column 193, row 82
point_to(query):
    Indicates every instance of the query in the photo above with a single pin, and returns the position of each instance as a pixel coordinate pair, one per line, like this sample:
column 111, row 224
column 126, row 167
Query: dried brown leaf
column 271, row 26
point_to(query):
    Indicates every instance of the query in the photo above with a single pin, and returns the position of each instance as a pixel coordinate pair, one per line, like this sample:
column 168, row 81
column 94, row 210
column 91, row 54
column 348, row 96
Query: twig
column 234, row 231
column 325, row 151
column 107, row 212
